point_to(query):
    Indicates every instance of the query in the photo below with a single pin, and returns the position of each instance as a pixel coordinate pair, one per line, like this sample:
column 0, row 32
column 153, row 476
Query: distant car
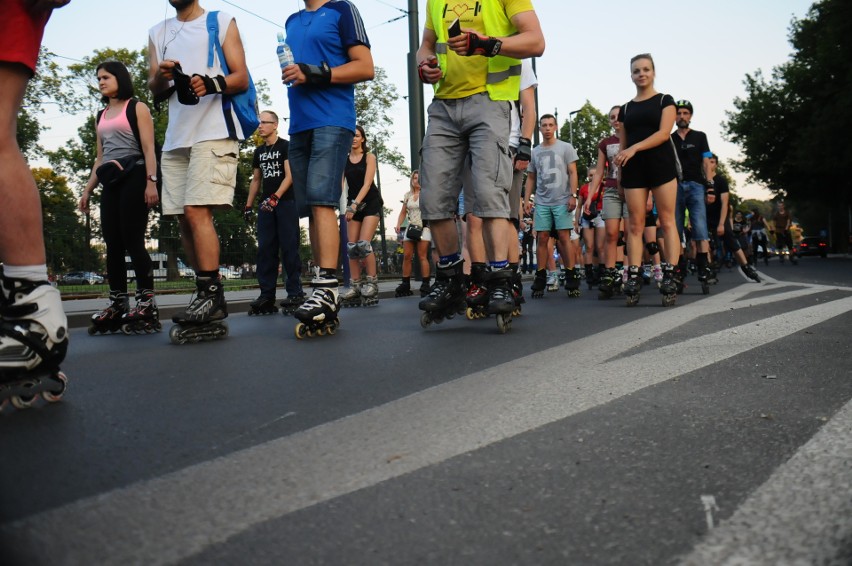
column 227, row 273
column 81, row 278
column 813, row 245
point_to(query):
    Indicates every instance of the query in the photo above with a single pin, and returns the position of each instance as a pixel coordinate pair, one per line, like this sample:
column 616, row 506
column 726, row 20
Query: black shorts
column 373, row 208
column 650, row 168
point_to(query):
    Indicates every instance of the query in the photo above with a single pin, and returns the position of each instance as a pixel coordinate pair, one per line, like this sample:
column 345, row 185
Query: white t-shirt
column 528, row 80
column 188, row 42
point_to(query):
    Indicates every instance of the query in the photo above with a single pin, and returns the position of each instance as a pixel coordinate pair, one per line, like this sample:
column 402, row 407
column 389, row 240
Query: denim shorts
column 317, row 160
column 690, row 196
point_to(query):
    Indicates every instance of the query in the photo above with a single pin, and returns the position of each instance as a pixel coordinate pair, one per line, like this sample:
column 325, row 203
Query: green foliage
column 46, row 87
column 791, row 126
column 589, row 127
column 65, row 237
column 373, row 101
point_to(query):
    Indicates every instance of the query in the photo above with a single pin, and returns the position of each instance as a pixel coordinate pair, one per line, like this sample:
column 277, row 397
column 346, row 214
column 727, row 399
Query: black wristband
column 316, row 75
column 213, row 85
column 524, row 152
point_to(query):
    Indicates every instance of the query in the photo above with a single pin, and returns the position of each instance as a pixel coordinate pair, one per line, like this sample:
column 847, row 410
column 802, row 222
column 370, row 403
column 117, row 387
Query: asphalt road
column 717, row 431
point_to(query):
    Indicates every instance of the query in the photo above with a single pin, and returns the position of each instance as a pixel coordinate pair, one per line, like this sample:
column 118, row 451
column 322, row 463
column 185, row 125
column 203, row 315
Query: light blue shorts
column 549, row 218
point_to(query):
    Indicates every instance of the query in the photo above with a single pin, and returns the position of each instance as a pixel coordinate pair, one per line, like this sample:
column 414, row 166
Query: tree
column 589, row 127
column 791, row 126
column 64, row 234
column 373, row 101
column 44, row 88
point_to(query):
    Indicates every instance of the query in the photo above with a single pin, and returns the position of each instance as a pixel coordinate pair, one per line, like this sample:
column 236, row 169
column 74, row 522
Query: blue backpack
column 243, row 103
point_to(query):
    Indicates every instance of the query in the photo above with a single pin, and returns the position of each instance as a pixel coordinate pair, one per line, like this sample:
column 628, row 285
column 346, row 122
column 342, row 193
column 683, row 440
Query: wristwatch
column 152, row 178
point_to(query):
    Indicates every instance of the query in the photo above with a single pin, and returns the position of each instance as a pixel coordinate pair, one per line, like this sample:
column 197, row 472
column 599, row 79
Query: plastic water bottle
column 285, row 54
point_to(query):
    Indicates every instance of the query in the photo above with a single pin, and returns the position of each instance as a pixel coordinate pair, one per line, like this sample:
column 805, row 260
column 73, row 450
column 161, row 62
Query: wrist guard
column 482, row 45
column 524, row 152
column 184, row 92
column 213, row 85
column 710, row 188
column 248, row 214
column 269, row 204
column 316, row 75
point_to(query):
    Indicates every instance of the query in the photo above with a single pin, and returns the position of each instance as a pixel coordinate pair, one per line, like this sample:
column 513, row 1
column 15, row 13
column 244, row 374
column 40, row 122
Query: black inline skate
column 573, row 277
column 750, row 272
column 539, row 284
column 477, row 295
column 110, row 319
column 706, row 278
column 144, row 318
column 591, row 274
column 404, row 288
column 264, row 304
column 517, row 293
column 318, row 315
column 501, row 300
column 291, row 304
column 606, row 288
column 424, row 286
column 33, row 342
column 671, row 285
column 446, row 299
column 204, row 318
column 633, row 285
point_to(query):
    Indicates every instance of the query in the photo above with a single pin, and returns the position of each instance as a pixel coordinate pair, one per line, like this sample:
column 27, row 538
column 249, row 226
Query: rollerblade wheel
column 705, row 288
column 56, row 394
column 425, row 320
column 504, row 323
column 669, row 300
column 92, row 331
column 24, row 401
column 632, row 300
column 301, row 330
column 176, row 336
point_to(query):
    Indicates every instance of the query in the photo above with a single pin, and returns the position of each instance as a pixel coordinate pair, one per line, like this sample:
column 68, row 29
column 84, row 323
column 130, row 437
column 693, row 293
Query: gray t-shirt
column 550, row 165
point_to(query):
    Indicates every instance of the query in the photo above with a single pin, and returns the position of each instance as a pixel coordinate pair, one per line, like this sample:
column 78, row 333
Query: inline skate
column 318, row 315
column 609, row 281
column 204, row 318
column 351, row 297
column 424, row 287
column 706, row 278
column 750, row 272
column 646, row 273
column 573, row 277
column 633, row 285
column 591, row 276
column 671, row 285
column 370, row 291
column 552, row 281
column 404, row 288
column 262, row 305
column 477, row 295
column 517, row 293
column 658, row 275
column 144, row 318
column 501, row 300
column 33, row 342
column 291, row 303
column 539, row 284
column 446, row 298
column 558, row 280
column 110, row 319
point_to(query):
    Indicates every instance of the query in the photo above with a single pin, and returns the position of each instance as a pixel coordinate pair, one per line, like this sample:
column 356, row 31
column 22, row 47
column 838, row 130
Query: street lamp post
column 571, row 125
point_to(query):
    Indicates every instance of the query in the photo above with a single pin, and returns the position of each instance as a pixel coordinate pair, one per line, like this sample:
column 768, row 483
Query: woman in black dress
column 648, row 166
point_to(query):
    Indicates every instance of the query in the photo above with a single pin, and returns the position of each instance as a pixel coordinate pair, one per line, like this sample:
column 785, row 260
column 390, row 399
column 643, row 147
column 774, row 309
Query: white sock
column 28, row 272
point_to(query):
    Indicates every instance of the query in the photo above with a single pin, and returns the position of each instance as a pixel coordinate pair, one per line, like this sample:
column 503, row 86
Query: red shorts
column 21, row 32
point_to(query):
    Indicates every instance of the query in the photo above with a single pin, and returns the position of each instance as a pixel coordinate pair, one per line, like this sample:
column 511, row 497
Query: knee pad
column 352, row 250
column 364, row 248
column 652, row 248
column 621, row 240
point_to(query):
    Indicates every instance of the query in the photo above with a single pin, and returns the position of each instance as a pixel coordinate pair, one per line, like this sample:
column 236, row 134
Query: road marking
column 801, row 515
column 166, row 519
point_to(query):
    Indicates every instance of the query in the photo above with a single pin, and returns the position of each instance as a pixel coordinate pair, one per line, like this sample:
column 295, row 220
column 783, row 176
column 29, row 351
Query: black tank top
column 355, row 173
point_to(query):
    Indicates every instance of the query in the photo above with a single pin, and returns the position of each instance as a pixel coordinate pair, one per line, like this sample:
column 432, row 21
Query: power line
column 389, row 21
column 392, row 6
column 252, row 13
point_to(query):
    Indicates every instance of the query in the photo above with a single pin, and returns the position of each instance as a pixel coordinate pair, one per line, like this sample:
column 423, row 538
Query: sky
column 702, row 53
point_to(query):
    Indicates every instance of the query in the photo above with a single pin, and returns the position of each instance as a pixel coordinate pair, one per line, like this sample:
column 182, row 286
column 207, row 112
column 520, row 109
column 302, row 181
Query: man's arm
column 529, row 191
column 723, row 214
column 528, row 42
column 253, row 187
column 528, row 122
column 427, row 63
column 572, row 185
column 238, row 79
